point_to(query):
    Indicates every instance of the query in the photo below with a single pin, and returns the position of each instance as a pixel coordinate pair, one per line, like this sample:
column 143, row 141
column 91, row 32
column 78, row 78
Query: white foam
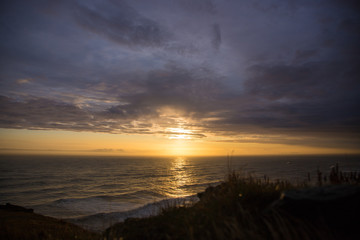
column 101, row 221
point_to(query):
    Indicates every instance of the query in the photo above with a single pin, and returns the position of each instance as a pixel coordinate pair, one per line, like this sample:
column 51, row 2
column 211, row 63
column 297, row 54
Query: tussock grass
column 238, row 208
column 337, row 176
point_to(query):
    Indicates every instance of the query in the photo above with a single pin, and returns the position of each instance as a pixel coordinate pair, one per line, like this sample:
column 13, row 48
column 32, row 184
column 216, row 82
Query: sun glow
column 180, row 145
column 179, row 133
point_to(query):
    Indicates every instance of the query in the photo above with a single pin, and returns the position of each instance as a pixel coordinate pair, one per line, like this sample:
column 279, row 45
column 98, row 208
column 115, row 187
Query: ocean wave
column 200, row 185
column 107, row 198
column 101, row 221
column 110, row 186
column 94, row 204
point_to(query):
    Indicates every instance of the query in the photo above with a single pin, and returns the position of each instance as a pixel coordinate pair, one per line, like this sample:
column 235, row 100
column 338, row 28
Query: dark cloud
column 216, row 36
column 206, row 6
column 310, row 81
column 40, row 113
column 313, row 97
column 173, row 87
column 304, row 55
column 121, row 23
column 353, row 5
column 287, row 99
column 279, row 68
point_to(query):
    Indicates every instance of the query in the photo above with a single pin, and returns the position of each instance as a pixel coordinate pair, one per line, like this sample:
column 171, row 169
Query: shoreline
column 238, row 208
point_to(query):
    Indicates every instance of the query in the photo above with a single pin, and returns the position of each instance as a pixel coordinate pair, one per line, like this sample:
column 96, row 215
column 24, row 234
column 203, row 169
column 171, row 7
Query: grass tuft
column 239, row 208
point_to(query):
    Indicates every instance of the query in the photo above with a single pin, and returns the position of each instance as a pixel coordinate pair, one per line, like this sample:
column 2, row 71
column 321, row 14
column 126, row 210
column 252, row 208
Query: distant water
column 97, row 191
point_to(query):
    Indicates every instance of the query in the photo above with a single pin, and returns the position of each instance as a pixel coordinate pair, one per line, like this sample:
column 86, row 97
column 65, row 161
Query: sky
column 180, row 77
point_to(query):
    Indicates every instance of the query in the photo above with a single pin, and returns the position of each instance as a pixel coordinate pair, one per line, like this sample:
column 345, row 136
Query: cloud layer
column 268, row 71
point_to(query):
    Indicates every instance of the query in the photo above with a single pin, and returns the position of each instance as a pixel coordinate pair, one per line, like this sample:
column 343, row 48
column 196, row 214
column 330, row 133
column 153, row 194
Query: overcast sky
column 237, row 71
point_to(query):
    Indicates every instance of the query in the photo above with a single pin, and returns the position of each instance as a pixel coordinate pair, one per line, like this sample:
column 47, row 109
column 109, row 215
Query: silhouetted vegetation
column 338, row 177
column 252, row 208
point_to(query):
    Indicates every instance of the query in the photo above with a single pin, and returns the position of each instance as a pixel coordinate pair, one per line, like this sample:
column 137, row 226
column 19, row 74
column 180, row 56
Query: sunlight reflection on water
column 180, row 176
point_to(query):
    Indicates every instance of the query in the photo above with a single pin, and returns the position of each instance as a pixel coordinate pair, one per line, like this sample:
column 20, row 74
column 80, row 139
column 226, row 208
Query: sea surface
column 96, row 192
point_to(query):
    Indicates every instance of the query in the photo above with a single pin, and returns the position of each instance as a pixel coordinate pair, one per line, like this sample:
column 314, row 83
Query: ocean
column 95, row 192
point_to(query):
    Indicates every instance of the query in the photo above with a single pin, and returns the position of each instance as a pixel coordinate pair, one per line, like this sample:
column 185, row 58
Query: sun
column 179, row 133
column 179, row 144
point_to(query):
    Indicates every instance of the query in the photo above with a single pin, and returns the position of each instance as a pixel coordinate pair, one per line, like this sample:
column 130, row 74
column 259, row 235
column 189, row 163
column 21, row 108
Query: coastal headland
column 242, row 207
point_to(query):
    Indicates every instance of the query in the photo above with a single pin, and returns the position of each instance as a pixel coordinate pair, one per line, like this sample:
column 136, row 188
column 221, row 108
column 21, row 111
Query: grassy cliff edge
column 250, row 208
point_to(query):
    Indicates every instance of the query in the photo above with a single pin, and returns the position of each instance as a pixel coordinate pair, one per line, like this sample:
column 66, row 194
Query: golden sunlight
column 179, row 147
column 180, row 177
column 179, row 133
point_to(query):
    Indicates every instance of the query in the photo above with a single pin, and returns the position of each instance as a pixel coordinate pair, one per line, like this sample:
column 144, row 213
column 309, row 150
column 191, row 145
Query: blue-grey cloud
column 206, row 6
column 113, row 66
column 121, row 23
column 216, row 39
